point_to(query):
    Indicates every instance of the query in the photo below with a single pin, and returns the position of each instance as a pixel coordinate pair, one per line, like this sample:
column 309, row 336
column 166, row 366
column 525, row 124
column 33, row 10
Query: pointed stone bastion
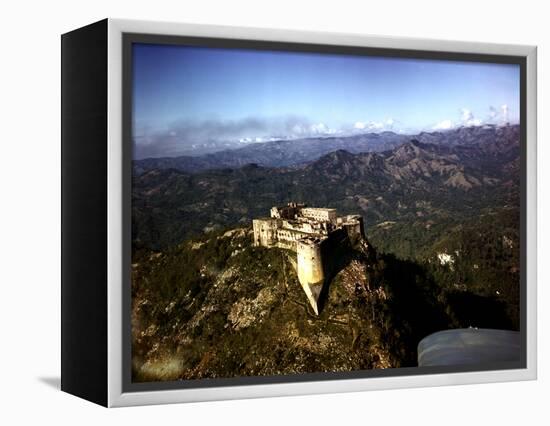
column 312, row 233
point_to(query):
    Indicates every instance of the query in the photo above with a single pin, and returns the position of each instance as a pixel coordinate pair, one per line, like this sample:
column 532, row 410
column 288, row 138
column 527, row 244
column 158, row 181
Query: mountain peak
column 340, row 153
column 336, row 157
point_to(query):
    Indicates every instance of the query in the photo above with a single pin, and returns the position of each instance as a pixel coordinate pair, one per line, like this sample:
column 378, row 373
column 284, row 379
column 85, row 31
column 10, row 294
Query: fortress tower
column 310, row 232
column 310, row 269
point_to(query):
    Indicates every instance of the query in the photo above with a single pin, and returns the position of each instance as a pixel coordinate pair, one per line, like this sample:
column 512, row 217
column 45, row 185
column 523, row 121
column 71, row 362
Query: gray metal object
column 467, row 346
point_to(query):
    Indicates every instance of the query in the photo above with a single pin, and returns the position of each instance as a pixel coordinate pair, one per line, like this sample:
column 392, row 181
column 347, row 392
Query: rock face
column 314, row 234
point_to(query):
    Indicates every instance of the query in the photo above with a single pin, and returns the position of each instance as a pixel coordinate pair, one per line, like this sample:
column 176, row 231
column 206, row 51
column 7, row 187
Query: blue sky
column 193, row 96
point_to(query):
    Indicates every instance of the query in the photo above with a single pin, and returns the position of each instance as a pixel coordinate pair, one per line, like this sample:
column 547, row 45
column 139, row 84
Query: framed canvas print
column 252, row 212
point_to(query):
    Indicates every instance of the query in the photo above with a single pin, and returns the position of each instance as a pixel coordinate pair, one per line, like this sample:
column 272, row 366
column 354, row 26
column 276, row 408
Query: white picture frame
column 115, row 389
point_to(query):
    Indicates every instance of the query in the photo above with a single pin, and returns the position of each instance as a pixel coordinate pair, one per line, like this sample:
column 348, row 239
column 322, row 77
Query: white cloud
column 444, row 125
column 298, row 129
column 474, row 122
column 505, row 113
column 374, row 125
column 495, row 116
column 467, row 115
column 499, row 115
column 468, row 118
column 307, row 130
column 318, row 128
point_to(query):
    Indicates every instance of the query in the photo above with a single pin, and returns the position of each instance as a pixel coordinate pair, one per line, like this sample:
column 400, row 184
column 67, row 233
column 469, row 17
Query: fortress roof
column 320, row 209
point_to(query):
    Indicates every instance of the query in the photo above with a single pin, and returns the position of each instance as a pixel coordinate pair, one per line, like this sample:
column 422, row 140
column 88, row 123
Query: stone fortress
column 314, row 234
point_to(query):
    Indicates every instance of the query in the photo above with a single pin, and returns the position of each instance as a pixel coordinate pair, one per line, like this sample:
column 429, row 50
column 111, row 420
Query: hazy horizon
column 191, row 98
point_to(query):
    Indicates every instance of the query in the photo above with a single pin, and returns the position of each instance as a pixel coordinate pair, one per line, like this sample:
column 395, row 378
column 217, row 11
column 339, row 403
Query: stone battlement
column 308, row 231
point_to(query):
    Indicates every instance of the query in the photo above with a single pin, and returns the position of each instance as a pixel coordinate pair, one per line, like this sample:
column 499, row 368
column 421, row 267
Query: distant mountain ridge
column 415, row 179
column 281, row 153
column 297, row 152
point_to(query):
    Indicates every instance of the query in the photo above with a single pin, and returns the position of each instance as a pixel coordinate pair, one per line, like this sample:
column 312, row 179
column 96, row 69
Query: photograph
column 297, row 211
column 281, row 212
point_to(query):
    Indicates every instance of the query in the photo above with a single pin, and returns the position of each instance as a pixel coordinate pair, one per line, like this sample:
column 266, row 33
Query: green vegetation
column 442, row 221
column 218, row 307
column 480, row 258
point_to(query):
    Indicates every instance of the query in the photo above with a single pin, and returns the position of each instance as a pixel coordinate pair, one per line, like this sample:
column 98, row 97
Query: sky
column 190, row 99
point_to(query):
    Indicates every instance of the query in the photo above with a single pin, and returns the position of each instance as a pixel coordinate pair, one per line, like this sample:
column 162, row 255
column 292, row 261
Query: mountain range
column 296, row 152
column 450, row 178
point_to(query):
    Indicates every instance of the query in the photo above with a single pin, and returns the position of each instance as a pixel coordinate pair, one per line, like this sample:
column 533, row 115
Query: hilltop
column 219, row 307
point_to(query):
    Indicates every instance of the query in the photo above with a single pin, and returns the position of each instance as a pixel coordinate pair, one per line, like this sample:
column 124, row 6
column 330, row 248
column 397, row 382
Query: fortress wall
column 353, row 230
column 310, row 264
column 287, row 238
column 265, row 232
column 361, row 226
column 310, row 270
column 322, row 215
column 318, row 263
column 287, row 244
column 333, row 252
column 287, row 212
column 354, row 227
